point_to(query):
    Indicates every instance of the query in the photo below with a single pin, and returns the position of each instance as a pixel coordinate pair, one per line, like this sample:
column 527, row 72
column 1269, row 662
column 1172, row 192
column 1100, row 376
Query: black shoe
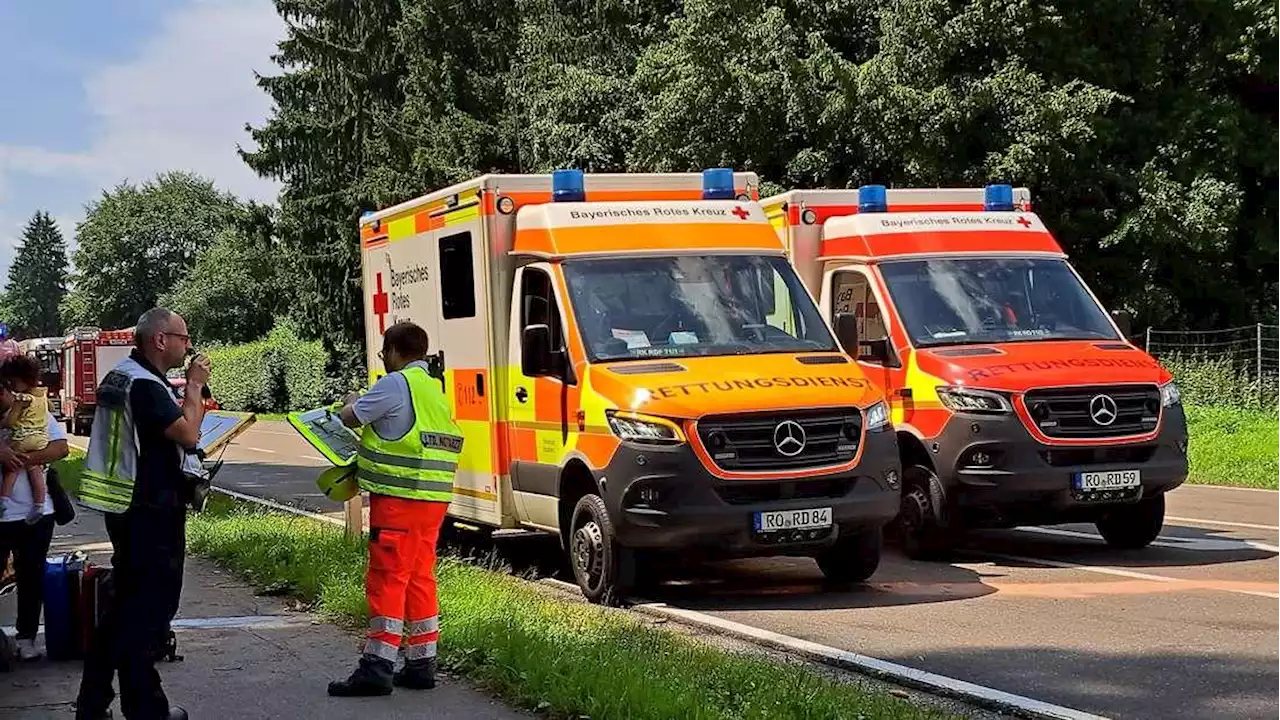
column 417, row 675
column 371, row 678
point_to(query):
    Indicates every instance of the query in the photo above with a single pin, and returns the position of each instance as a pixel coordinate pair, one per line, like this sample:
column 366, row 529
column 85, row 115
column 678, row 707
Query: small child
column 27, row 422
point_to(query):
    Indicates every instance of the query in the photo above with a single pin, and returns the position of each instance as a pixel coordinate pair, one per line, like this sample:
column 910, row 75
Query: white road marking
column 258, row 449
column 1200, row 544
column 1223, row 523
column 1118, row 572
column 875, row 667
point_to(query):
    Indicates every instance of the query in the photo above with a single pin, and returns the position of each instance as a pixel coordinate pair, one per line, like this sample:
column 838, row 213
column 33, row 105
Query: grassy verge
column 561, row 658
column 1231, row 446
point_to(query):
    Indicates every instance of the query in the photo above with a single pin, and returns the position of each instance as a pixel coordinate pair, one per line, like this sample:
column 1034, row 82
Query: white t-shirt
column 18, row 504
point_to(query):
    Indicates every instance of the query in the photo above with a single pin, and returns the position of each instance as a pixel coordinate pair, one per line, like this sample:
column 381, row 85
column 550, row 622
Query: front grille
column 750, row 442
column 1070, row 412
column 1074, row 457
column 737, row 492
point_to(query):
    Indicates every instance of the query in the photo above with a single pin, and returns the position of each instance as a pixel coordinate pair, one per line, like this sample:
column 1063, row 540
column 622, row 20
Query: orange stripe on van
column 920, row 243
column 646, row 237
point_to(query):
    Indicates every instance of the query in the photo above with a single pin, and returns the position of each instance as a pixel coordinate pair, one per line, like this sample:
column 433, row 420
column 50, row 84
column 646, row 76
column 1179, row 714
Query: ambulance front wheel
column 853, row 558
column 1132, row 527
column 603, row 569
column 919, row 526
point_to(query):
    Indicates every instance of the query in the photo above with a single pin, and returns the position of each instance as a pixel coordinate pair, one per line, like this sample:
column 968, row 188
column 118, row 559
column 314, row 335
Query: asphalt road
column 1186, row 628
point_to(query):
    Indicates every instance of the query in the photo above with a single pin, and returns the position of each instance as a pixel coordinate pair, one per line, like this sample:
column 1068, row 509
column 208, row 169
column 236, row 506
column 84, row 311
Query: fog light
column 648, row 496
column 891, row 478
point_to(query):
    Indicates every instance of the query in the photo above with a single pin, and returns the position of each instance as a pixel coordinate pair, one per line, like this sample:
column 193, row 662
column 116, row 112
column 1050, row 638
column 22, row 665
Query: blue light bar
column 873, row 198
column 998, row 198
column 717, row 184
column 568, row 186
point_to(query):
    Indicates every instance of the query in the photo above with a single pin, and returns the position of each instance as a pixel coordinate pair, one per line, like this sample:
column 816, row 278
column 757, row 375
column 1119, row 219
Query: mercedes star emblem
column 1102, row 409
column 789, row 438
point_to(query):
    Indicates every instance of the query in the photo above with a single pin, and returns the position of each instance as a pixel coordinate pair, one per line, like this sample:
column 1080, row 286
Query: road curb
column 934, row 684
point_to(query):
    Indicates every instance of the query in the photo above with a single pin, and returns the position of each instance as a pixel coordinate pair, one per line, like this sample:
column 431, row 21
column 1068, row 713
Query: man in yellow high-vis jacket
column 408, row 456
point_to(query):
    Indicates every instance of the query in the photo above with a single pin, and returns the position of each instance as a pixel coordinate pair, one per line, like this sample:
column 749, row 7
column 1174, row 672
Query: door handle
column 522, row 395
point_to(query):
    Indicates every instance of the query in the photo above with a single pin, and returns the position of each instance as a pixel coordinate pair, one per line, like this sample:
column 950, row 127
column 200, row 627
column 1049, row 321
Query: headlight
column 969, row 400
column 877, row 416
column 1170, row 395
column 634, row 427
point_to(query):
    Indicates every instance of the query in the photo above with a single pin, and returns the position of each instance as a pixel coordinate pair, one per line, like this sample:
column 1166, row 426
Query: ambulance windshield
column 989, row 300
column 634, row 308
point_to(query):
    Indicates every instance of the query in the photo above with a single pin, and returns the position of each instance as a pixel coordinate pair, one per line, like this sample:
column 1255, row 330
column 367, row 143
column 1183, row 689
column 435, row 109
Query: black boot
column 372, row 677
column 417, row 674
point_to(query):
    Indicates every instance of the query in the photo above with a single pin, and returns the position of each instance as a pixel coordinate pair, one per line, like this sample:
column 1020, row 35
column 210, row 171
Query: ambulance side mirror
column 536, row 357
column 1124, row 321
column 847, row 332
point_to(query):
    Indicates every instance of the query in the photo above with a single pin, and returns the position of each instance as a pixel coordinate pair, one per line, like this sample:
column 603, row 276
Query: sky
column 96, row 93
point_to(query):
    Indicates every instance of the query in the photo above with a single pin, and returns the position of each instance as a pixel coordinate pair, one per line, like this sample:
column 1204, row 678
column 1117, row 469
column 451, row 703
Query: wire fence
column 1233, row 366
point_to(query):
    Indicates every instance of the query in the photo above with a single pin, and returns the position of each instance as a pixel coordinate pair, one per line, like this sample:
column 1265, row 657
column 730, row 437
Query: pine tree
column 37, row 280
column 332, row 142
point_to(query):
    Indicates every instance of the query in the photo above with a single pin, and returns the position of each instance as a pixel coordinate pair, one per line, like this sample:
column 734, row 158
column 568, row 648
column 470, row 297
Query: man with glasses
column 409, row 449
column 134, row 474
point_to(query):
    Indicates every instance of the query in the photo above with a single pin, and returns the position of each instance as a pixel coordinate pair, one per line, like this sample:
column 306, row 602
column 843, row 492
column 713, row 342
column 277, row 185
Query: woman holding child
column 26, row 511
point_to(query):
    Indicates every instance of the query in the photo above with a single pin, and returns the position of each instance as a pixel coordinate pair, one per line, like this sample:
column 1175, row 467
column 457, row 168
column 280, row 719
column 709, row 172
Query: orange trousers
column 401, row 582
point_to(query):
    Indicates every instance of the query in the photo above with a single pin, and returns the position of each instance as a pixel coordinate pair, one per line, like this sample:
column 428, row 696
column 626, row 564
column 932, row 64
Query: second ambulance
column 1017, row 400
column 636, row 368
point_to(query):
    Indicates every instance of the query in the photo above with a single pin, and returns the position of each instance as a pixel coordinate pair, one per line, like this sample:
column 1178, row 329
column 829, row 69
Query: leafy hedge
column 1219, row 382
column 279, row 373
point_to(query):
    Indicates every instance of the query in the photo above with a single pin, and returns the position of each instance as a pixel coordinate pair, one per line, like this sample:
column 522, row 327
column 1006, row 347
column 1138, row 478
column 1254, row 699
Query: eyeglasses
column 185, row 338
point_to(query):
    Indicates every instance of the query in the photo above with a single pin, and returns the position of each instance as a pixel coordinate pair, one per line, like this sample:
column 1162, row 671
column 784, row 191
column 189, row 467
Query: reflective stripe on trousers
column 422, row 635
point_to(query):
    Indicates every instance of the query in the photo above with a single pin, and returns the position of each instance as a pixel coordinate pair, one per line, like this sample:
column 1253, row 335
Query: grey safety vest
column 111, row 466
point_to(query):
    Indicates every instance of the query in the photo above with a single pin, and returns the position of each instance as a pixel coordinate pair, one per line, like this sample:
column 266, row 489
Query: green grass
column 558, row 657
column 1233, row 446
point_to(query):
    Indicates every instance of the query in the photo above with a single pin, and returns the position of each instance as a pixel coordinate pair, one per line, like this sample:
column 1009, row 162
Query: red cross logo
column 381, row 306
column 1024, row 222
column 742, row 214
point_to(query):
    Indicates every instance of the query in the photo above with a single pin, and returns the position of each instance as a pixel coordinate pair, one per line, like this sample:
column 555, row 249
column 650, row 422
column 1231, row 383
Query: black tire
column 603, row 570
column 1130, row 527
column 917, row 526
column 853, row 558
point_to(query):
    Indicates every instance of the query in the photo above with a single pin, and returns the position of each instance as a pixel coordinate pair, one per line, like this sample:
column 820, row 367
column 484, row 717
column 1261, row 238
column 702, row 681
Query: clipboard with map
column 220, row 427
column 324, row 430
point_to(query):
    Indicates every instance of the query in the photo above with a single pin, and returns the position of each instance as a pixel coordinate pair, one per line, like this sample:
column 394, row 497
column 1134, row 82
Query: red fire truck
column 88, row 354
